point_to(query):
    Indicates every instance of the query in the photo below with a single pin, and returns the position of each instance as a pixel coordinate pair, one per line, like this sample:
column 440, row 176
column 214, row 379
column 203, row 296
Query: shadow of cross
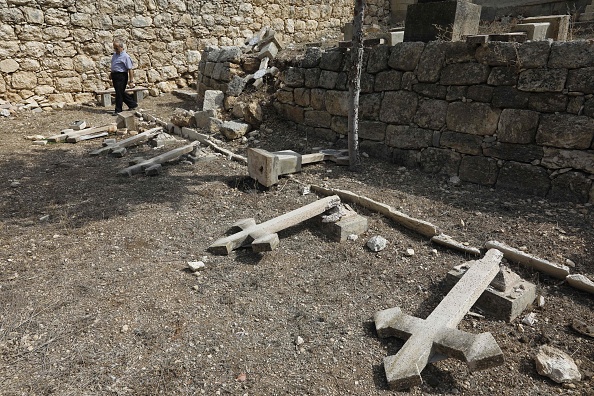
column 437, row 335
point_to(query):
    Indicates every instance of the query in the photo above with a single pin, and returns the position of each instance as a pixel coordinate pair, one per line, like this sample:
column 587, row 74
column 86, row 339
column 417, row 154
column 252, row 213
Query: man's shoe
column 133, row 108
column 115, row 113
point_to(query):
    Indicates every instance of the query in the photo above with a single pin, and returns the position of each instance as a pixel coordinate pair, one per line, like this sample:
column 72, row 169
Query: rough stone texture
column 571, row 186
column 328, row 79
column 547, row 102
column 572, row 54
column 405, row 56
column 294, row 77
column 558, row 159
column 498, row 54
column 372, row 130
column 233, row 129
column 213, row 100
column 581, row 80
column 332, row 60
column 405, row 102
column 473, row 118
column 378, row 58
column 557, row 365
column 524, row 178
column 565, row 131
column 542, row 80
column 337, row 103
column 435, row 160
column 431, row 114
column 405, row 137
column 479, row 170
column 480, row 93
column 316, row 118
column 534, row 54
column 431, row 90
column 431, row 63
column 388, row 81
column 464, row 74
column 509, row 97
column 517, row 126
column 461, row 142
column 514, row 152
column 312, row 57
column 9, row 66
column 369, row 106
column 503, row 75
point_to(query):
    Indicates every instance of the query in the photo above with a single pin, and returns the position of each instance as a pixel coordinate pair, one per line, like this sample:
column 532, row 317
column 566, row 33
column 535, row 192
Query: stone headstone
column 444, row 20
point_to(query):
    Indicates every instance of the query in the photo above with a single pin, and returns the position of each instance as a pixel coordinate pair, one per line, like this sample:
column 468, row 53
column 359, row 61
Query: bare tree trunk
column 355, row 85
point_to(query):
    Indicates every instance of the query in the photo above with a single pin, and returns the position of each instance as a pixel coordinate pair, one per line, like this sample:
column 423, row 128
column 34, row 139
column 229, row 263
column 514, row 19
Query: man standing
column 122, row 74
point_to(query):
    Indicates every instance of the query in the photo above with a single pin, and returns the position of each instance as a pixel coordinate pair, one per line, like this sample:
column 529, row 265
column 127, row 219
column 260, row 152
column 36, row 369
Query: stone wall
column 508, row 115
column 61, row 49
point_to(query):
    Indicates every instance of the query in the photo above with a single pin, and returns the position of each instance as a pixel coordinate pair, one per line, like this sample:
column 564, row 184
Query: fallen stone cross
column 263, row 237
column 437, row 335
column 131, row 141
column 266, row 167
column 158, row 160
column 71, row 133
column 76, row 139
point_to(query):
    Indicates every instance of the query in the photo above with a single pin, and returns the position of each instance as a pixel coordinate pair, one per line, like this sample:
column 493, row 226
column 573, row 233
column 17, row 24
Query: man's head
column 118, row 45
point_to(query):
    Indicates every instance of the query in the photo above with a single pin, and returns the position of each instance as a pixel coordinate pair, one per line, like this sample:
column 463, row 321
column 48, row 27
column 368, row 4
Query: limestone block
column 464, row 74
column 542, row 80
column 317, row 118
column 56, row 33
column 524, row 178
column 388, row 80
column 479, row 170
column 435, row 160
column 571, row 186
column 406, row 56
column 474, row 118
column 372, row 130
column 398, row 107
column 8, row 66
column 514, row 152
column 431, row 114
column 33, row 15
column 2, row 85
column 571, row 54
column 464, row 143
column 554, row 158
column 234, row 129
column 581, row 80
column 406, row 137
column 294, row 77
column 141, row 21
column 378, row 58
column 431, row 62
column 69, row 84
column 536, row 31
column 81, row 19
column 213, row 100
column 269, row 51
column 351, row 224
column 23, row 80
column 517, row 126
column 558, row 25
column 337, row 102
column 565, row 131
column 393, row 38
column 11, row 15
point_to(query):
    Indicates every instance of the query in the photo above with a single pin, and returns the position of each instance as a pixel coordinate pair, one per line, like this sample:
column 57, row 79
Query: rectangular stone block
column 558, row 25
column 499, row 304
column 449, row 20
column 534, row 31
column 477, row 39
column 516, row 37
column 392, row 38
column 351, row 224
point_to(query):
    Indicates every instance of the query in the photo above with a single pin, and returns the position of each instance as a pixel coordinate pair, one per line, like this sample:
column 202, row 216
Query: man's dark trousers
column 120, row 81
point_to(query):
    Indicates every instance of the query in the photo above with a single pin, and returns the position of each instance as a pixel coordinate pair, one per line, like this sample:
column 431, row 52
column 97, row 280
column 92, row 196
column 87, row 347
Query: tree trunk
column 355, row 85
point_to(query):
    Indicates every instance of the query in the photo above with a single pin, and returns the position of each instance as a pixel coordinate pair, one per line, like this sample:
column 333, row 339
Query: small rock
column 125, row 329
column 530, row 319
column 44, row 218
column 569, row 263
column 299, row 341
column 364, row 155
column 196, row 265
column 409, row 252
column 455, row 180
column 434, row 252
column 40, row 142
column 241, row 377
column 377, row 243
column 557, row 365
column 541, row 301
column 305, row 190
column 582, row 327
column 15, row 184
column 352, row 237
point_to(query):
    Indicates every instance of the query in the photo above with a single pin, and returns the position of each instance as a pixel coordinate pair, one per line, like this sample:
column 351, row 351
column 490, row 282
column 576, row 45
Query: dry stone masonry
column 61, row 49
column 507, row 115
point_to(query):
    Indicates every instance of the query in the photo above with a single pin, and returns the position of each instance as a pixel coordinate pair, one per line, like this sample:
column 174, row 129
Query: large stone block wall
column 61, row 49
column 508, row 115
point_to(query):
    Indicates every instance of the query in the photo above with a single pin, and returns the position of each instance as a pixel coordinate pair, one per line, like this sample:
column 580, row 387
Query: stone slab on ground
column 504, row 303
column 438, row 334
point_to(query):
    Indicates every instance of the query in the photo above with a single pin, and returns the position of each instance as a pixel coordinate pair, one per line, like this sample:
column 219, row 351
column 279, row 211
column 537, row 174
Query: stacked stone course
column 62, row 49
column 509, row 115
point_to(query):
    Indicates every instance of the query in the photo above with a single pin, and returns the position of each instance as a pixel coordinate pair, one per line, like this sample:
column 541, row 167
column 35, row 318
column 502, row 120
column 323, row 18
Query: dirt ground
column 96, row 297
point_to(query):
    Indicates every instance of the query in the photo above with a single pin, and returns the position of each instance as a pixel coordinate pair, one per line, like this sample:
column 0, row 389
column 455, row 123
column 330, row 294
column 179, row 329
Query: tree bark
column 355, row 85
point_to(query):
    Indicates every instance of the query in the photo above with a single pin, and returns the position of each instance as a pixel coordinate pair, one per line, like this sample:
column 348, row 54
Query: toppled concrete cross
column 438, row 334
column 263, row 237
column 158, row 160
column 266, row 167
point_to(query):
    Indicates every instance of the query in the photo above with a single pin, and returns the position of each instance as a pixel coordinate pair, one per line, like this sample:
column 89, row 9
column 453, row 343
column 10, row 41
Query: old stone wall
column 61, row 49
column 508, row 115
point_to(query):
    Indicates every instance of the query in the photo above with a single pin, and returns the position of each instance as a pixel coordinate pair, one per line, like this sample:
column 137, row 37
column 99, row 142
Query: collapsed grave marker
column 438, row 334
